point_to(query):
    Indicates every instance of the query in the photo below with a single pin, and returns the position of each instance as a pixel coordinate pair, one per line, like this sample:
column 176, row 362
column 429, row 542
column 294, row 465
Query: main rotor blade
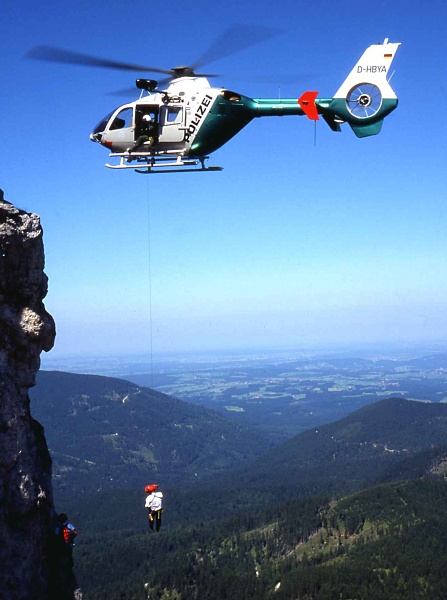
column 51, row 54
column 132, row 90
column 232, row 40
column 235, row 39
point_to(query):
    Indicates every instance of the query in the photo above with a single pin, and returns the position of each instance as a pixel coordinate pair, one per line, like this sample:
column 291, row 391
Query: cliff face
column 27, row 566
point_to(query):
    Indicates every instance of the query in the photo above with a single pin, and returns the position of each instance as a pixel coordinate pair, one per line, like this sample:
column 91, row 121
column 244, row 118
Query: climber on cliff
column 154, row 504
column 65, row 534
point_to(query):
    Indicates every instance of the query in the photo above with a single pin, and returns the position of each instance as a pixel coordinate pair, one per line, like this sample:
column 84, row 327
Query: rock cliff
column 29, row 568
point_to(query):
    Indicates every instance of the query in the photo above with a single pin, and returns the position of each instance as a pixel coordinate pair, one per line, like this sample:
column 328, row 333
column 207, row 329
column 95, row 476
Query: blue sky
column 291, row 244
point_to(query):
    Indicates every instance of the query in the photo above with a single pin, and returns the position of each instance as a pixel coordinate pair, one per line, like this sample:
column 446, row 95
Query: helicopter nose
column 95, row 137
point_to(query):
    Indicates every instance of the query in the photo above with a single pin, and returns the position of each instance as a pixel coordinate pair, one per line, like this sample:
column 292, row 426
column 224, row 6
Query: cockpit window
column 123, row 119
column 174, row 114
column 103, row 123
column 231, row 96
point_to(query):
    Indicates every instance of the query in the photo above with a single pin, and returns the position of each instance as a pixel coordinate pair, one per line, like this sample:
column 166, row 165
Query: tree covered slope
column 384, row 542
column 354, row 451
column 108, row 433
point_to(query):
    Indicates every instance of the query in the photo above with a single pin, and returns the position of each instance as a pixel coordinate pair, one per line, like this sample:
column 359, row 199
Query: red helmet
column 151, row 488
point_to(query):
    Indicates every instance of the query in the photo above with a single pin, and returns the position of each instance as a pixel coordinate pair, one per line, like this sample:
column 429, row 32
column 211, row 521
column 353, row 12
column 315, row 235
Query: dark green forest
column 386, row 542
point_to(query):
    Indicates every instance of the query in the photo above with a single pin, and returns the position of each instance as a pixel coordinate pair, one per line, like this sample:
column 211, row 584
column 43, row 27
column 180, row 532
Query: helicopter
column 175, row 127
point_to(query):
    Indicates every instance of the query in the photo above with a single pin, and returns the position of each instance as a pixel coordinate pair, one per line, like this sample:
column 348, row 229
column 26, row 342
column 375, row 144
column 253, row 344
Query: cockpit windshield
column 103, row 123
column 122, row 119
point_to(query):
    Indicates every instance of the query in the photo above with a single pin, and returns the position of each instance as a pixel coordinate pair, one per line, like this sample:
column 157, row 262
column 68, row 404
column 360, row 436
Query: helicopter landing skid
column 145, row 162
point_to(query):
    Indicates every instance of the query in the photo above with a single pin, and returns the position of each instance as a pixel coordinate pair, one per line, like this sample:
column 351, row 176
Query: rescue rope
column 149, row 252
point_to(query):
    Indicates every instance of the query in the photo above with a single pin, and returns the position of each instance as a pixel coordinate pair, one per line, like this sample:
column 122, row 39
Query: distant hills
column 108, row 433
column 287, row 393
column 355, row 451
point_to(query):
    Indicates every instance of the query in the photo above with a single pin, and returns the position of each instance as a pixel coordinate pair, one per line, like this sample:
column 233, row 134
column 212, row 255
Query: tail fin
column 365, row 98
column 373, row 67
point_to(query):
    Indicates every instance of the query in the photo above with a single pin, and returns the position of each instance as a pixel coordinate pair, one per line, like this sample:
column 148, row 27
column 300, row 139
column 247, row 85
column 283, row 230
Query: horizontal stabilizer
column 333, row 123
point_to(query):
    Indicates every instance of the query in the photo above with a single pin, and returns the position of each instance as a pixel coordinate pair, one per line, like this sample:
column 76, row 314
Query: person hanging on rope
column 154, row 504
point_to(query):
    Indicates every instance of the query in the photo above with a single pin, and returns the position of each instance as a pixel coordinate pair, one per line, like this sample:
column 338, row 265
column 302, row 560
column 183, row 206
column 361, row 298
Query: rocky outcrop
column 28, row 567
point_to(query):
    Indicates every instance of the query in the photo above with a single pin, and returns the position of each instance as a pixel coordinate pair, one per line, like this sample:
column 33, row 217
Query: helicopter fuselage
column 190, row 119
column 169, row 129
column 193, row 118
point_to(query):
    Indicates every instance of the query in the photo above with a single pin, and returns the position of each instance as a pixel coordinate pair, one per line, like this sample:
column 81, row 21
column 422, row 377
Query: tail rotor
column 364, row 100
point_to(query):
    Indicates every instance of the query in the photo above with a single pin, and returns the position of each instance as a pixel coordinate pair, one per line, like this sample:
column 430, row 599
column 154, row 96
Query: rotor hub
column 182, row 71
column 364, row 100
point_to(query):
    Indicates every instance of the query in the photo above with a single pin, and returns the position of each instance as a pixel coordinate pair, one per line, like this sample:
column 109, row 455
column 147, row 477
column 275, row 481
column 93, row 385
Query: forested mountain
column 386, row 542
column 354, row 451
column 386, row 441
column 432, row 462
column 109, row 433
